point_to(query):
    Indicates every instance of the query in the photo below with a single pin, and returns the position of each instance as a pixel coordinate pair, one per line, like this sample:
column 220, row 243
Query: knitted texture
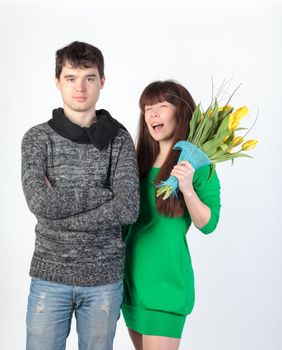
column 94, row 192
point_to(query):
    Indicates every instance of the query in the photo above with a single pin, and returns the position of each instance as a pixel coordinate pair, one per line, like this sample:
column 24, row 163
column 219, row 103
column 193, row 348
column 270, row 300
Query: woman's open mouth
column 157, row 126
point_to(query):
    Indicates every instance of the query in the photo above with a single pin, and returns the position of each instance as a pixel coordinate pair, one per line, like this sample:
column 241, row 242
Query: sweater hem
column 74, row 274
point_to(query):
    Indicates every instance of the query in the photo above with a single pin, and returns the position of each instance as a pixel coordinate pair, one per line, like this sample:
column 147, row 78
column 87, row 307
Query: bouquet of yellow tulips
column 212, row 139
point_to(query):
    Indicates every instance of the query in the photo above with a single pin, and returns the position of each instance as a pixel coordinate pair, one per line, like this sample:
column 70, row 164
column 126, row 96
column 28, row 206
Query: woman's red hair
column 148, row 149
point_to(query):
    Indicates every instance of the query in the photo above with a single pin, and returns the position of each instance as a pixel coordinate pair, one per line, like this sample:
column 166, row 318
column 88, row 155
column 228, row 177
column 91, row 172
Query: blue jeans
column 50, row 309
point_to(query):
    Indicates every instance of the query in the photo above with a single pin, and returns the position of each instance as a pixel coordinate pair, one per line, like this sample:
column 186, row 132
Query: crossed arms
column 84, row 206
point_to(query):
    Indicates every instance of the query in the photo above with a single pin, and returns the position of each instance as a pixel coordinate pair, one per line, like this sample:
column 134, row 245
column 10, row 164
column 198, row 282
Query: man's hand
column 47, row 182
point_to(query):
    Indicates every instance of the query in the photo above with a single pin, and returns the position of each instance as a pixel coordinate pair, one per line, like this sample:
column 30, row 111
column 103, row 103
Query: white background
column 238, row 268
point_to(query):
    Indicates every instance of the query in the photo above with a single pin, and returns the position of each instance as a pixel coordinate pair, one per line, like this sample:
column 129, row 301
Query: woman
column 159, row 284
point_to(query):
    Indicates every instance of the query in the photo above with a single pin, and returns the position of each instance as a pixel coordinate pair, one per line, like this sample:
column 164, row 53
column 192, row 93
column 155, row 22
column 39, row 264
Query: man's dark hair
column 79, row 55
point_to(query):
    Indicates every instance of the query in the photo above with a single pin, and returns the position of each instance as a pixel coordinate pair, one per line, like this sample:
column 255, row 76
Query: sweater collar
column 100, row 134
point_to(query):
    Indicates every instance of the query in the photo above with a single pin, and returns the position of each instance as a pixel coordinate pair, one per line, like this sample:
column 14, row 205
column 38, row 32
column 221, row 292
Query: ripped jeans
column 50, row 309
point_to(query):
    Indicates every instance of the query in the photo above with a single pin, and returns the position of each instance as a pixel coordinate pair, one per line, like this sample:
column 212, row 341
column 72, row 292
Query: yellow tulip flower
column 240, row 113
column 237, row 140
column 232, row 123
column 249, row 145
column 220, row 109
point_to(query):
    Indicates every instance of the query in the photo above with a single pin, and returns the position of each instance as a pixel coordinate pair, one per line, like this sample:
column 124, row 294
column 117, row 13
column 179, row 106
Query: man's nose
column 80, row 85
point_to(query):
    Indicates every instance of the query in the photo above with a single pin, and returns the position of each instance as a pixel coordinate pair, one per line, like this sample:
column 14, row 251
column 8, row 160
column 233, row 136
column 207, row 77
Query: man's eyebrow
column 69, row 75
column 73, row 75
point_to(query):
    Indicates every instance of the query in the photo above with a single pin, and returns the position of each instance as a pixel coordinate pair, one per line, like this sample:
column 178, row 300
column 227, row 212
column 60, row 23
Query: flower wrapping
column 193, row 155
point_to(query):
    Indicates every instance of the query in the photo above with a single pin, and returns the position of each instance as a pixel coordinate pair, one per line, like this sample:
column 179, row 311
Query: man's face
column 80, row 88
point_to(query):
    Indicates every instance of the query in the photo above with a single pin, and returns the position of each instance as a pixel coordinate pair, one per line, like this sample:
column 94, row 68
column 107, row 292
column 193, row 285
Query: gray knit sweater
column 94, row 192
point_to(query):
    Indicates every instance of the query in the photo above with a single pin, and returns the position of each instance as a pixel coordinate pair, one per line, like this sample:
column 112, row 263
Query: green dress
column 159, row 281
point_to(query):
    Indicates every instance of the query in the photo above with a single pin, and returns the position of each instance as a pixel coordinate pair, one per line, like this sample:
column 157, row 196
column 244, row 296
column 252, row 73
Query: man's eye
column 70, row 79
column 91, row 79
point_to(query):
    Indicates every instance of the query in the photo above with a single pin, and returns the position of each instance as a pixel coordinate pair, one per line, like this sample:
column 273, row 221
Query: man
column 80, row 179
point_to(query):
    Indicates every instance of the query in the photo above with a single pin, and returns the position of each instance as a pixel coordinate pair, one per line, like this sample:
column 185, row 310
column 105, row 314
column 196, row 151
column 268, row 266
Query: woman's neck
column 165, row 147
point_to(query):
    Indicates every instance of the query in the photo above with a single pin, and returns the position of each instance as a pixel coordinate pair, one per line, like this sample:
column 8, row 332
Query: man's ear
column 57, row 82
column 103, row 82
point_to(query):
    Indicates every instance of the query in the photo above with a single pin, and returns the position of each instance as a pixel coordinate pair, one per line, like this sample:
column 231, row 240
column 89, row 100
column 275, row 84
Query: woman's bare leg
column 136, row 339
column 152, row 342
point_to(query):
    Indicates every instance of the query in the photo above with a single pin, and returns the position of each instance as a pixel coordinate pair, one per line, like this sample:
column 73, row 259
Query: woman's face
column 161, row 120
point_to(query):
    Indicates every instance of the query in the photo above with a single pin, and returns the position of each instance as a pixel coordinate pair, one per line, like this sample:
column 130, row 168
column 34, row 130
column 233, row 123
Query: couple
column 94, row 251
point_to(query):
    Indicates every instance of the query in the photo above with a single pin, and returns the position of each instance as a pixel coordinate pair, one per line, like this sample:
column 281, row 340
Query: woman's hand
column 199, row 212
column 184, row 173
